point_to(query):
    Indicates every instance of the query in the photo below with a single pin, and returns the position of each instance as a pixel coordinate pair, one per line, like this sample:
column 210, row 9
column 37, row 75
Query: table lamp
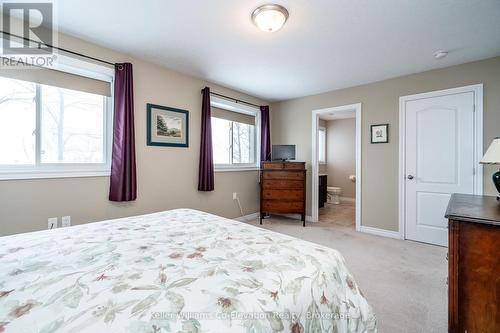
column 492, row 156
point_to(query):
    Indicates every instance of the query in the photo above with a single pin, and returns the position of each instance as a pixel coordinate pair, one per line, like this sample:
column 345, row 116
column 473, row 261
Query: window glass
column 234, row 142
column 17, row 122
column 72, row 126
column 221, row 140
column 243, row 143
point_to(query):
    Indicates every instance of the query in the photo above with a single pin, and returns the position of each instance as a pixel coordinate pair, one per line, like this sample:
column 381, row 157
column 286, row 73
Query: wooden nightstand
column 473, row 264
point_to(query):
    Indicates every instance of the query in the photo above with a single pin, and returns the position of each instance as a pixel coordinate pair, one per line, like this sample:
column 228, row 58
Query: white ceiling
column 338, row 115
column 325, row 44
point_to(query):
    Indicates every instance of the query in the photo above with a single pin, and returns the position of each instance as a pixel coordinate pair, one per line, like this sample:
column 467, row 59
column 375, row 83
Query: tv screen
column 283, row 152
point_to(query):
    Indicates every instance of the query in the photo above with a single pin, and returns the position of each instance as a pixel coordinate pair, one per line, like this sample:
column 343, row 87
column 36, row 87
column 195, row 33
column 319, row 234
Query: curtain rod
column 233, row 99
column 58, row 48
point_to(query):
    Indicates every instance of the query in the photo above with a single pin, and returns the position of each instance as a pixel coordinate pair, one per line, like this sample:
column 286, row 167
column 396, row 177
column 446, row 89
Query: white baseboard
column 247, row 218
column 380, row 232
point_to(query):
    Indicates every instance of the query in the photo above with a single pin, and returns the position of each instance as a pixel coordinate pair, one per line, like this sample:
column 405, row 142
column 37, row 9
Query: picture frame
column 167, row 127
column 379, row 133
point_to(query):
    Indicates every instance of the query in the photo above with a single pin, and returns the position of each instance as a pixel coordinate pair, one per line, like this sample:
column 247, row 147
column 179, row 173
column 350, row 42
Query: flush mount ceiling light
column 440, row 54
column 270, row 18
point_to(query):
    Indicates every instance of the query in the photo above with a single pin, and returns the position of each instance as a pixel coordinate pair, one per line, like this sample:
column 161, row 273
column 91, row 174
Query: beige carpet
column 404, row 281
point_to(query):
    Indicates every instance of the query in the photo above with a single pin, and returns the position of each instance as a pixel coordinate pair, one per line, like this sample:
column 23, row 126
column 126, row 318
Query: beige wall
column 341, row 154
column 167, row 177
column 291, row 124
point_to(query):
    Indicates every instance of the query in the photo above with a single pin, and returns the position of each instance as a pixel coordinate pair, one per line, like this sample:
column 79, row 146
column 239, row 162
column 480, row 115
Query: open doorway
column 336, row 166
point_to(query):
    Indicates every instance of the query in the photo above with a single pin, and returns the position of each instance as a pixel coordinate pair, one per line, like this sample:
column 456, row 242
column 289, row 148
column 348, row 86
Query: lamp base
column 496, row 181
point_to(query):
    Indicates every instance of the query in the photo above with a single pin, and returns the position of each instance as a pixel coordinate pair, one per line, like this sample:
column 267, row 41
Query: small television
column 283, row 152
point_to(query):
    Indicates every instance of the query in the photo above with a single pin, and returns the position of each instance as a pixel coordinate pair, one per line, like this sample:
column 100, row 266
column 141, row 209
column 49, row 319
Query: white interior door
column 439, row 150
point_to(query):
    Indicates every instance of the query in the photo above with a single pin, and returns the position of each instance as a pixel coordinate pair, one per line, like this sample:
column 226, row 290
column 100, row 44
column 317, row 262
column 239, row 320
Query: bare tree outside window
column 17, row 122
column 242, row 140
column 233, row 142
column 72, row 125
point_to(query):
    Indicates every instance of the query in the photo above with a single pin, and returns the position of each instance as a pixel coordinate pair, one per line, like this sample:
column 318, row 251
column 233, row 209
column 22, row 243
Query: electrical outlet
column 235, row 196
column 52, row 223
column 66, row 221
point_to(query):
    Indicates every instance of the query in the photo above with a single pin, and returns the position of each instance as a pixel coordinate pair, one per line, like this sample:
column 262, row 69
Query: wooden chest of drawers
column 473, row 264
column 283, row 188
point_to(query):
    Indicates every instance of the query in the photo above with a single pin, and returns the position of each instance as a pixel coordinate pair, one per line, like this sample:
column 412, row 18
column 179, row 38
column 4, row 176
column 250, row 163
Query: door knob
column 410, row 177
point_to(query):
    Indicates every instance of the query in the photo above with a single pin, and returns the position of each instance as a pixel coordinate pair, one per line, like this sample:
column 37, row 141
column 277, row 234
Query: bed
column 175, row 271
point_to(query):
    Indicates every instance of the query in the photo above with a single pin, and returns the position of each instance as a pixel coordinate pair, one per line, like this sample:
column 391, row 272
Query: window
column 234, row 139
column 52, row 131
column 72, row 126
column 322, row 145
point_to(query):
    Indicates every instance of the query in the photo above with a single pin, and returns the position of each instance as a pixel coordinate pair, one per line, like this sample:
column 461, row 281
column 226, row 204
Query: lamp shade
column 492, row 155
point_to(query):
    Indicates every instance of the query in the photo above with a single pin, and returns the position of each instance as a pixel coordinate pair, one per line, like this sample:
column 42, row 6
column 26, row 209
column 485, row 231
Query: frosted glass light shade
column 492, row 155
column 270, row 18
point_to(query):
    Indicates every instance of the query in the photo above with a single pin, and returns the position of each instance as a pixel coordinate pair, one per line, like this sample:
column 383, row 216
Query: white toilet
column 333, row 194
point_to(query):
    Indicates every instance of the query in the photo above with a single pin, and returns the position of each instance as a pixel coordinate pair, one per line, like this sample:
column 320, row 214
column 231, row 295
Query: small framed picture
column 167, row 126
column 379, row 133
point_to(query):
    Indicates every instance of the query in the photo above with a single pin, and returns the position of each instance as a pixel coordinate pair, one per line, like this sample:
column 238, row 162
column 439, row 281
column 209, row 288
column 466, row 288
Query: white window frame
column 229, row 105
column 322, row 129
column 69, row 170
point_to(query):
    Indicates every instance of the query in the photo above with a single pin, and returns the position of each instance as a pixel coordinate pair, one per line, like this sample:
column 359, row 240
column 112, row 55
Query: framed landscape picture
column 379, row 133
column 167, row 126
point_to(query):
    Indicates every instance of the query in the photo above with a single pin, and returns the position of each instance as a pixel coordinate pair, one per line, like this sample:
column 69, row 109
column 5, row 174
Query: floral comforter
column 175, row 271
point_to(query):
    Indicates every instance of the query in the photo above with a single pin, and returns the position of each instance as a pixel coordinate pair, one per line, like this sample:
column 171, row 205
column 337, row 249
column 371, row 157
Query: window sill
column 52, row 175
column 236, row 169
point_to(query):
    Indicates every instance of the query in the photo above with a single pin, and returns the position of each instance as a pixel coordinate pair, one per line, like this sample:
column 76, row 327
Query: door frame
column 356, row 108
column 477, row 89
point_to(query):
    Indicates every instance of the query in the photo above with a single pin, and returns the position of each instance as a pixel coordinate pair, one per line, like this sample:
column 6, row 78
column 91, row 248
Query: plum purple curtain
column 265, row 134
column 123, row 183
column 206, row 166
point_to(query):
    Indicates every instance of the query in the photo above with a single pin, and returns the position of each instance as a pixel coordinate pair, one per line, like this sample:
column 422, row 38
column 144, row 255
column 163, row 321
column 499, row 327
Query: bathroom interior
column 337, row 169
